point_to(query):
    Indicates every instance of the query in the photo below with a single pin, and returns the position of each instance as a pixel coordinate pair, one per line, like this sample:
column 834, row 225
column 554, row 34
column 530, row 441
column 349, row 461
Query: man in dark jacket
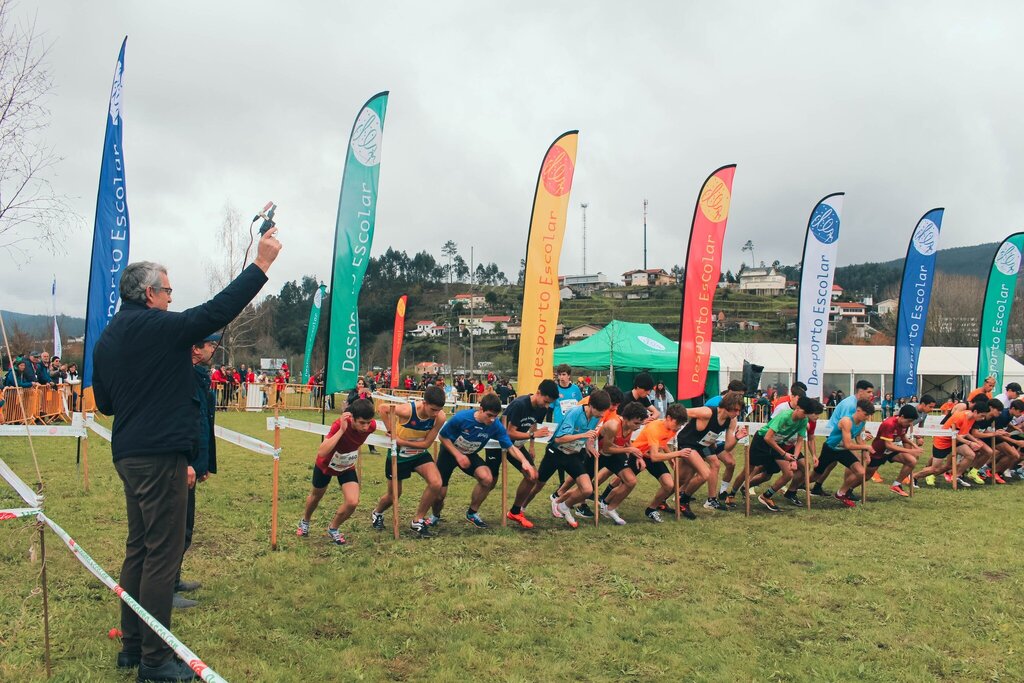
column 143, row 376
column 204, row 459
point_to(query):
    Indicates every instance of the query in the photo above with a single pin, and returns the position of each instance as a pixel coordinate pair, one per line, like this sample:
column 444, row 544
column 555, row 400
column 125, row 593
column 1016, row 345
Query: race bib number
column 405, row 452
column 343, row 461
column 567, row 404
column 573, row 446
column 467, row 447
column 709, row 439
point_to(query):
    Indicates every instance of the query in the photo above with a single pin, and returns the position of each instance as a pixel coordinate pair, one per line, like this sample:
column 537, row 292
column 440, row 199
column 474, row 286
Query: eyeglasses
column 163, row 289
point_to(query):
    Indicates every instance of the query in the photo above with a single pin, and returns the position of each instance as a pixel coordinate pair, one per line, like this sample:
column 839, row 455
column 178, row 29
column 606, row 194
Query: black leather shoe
column 172, row 670
column 186, row 586
column 128, row 660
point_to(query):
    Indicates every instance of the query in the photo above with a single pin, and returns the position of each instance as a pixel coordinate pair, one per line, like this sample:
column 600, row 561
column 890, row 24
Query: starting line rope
column 30, row 497
column 180, row 649
column 247, row 442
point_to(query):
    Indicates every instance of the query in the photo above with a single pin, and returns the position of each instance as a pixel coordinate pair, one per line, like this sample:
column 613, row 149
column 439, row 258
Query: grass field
column 900, row 590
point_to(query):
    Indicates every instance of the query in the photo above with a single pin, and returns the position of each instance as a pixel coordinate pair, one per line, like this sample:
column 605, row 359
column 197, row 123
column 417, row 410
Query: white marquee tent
column 941, row 369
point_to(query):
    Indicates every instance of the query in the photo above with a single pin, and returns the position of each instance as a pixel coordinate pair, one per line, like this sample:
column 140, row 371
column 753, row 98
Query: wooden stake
column 597, row 508
column 504, row 487
column 46, row 603
column 952, row 456
column 746, row 478
column 807, row 472
column 274, row 486
column 85, row 464
column 675, row 474
column 394, row 472
column 864, row 460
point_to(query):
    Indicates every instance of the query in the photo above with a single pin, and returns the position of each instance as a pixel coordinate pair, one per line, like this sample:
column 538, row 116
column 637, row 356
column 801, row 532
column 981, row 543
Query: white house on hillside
column 652, row 277
column 764, row 281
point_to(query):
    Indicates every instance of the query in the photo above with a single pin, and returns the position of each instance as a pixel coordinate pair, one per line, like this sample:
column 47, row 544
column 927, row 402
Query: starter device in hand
column 267, row 214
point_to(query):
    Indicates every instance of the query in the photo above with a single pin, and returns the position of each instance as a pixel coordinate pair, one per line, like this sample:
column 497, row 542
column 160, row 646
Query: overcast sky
column 904, row 108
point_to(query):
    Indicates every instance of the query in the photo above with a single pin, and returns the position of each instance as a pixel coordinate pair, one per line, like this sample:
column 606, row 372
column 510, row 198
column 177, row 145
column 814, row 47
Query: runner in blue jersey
column 569, row 395
column 463, row 436
column 846, row 445
column 864, row 391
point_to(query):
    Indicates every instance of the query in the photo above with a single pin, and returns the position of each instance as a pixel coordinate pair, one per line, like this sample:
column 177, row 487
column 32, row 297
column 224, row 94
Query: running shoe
column 898, row 490
column 584, row 511
column 730, row 502
column 818, row 492
column 1007, row 474
column 997, row 479
column 715, row 504
column 377, row 519
column 655, row 516
column 846, row 500
column 567, row 515
column 421, row 527
column 303, row 529
column 852, row 496
column 791, row 497
column 983, row 472
column 555, row 512
column 519, row 519
column 960, row 481
column 601, row 505
column 686, row 512
column 613, row 515
column 973, row 475
column 1020, row 472
column 877, row 478
column 948, row 476
column 768, row 503
column 433, row 520
column 475, row 519
column 929, row 480
column 336, row 537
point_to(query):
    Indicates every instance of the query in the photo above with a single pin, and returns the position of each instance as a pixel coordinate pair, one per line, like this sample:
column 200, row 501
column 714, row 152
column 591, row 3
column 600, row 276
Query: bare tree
column 954, row 311
column 230, row 244
column 30, row 210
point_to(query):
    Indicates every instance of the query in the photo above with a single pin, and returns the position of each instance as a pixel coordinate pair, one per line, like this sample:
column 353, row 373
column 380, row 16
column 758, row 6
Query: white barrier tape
column 180, row 649
column 41, row 430
column 23, row 489
column 15, row 513
column 822, row 429
column 379, row 438
column 299, row 425
column 99, row 429
column 245, row 441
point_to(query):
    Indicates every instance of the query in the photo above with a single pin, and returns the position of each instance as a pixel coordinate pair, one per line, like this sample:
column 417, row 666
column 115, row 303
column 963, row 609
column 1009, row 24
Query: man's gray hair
column 137, row 277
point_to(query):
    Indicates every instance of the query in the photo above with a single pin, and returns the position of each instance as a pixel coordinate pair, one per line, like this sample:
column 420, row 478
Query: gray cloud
column 904, row 108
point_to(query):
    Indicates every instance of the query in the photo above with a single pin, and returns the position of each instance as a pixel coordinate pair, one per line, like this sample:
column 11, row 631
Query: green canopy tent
column 625, row 349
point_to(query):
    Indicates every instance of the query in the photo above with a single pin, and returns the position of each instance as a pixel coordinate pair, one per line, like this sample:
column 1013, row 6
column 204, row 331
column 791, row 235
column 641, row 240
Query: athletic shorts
column 576, row 464
column 407, row 467
column 941, row 453
column 655, row 469
column 706, row 451
column 321, row 480
column 762, row 455
column 446, row 464
column 613, row 463
column 549, row 464
column 494, row 460
column 879, row 460
column 830, row 455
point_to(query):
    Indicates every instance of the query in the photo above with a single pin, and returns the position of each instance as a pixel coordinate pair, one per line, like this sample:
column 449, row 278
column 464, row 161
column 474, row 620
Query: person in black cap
column 204, row 457
column 1011, row 394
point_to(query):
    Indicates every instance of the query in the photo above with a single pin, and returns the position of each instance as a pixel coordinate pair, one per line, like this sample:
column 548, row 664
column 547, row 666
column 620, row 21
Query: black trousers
column 190, row 524
column 156, row 498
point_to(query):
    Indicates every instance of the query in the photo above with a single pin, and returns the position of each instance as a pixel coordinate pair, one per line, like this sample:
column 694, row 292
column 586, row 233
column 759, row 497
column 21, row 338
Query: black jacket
column 142, row 369
column 205, row 457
